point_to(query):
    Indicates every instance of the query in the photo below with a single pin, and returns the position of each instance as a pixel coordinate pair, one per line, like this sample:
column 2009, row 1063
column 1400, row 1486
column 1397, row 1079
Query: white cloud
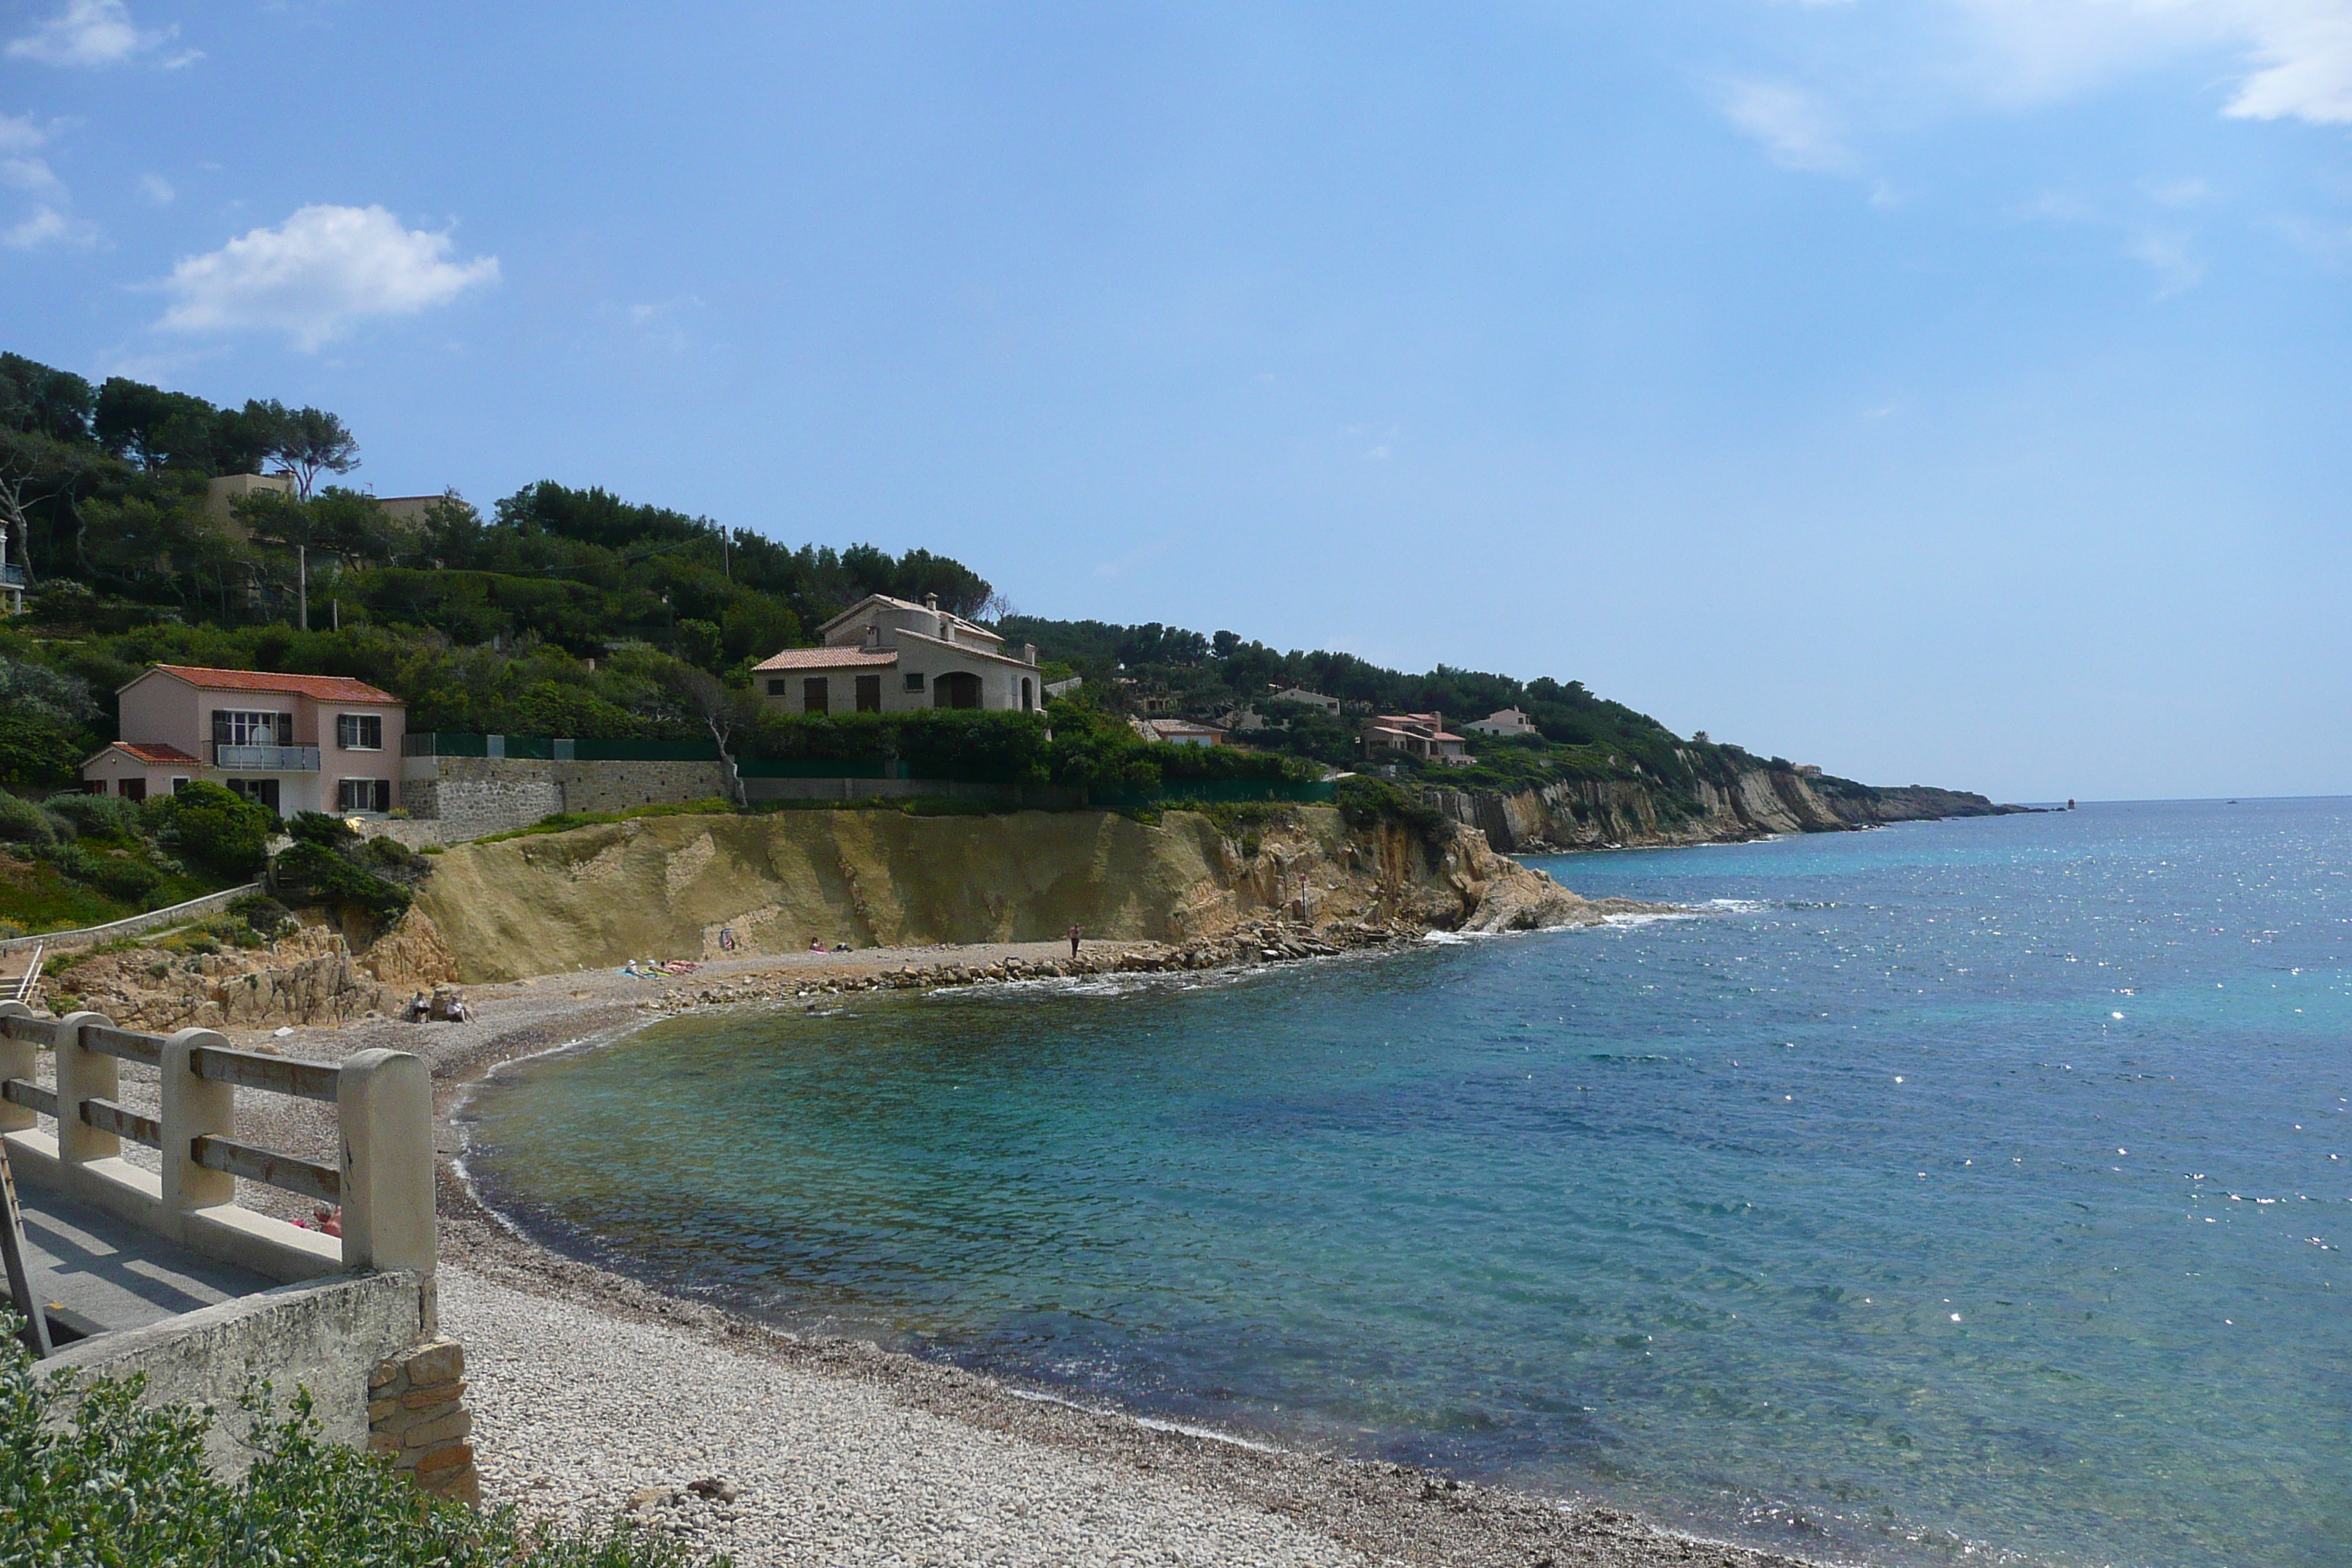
column 1797, row 128
column 157, row 189
column 317, row 274
column 2297, row 55
column 2167, row 253
column 96, row 33
column 2182, row 193
column 48, row 226
column 20, row 139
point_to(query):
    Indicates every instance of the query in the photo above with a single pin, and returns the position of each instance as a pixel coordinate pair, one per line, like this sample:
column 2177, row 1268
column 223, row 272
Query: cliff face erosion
column 1594, row 813
column 667, row 886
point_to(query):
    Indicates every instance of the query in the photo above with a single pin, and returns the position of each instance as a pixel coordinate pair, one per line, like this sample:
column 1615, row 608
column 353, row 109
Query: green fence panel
column 820, row 768
column 588, row 750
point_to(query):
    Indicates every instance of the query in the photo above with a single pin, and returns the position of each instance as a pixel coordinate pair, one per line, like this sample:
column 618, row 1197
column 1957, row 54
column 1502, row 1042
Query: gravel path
column 580, row 1416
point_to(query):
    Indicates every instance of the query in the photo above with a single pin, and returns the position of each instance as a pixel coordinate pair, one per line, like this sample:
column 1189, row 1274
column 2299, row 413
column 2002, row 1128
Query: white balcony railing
column 267, row 759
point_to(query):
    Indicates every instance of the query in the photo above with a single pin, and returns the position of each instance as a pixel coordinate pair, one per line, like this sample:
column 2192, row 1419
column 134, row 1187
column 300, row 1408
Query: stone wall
column 453, row 799
column 417, row 1418
column 323, row 1337
column 617, row 786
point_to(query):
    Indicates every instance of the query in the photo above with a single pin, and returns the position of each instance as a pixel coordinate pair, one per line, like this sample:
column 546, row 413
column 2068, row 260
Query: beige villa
column 887, row 656
column 1421, row 735
column 293, row 742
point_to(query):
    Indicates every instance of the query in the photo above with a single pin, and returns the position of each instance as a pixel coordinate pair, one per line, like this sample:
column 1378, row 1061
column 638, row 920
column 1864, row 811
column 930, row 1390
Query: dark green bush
column 95, row 816
column 262, row 914
column 104, row 1482
column 307, row 873
column 21, row 822
column 124, row 878
column 316, row 828
column 206, row 824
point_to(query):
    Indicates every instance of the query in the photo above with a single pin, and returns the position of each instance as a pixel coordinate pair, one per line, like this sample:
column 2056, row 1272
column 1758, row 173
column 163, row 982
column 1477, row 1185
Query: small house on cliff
column 1423, row 735
column 886, row 656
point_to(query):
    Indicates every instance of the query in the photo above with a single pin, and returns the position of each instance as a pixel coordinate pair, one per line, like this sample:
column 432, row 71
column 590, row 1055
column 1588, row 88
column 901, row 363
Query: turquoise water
column 1952, row 1191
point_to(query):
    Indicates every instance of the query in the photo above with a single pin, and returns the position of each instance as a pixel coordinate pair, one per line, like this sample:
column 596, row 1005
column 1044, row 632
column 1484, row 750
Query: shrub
column 21, row 822
column 121, row 876
column 316, row 828
column 311, row 874
column 207, row 825
column 264, row 915
column 104, row 1480
column 95, row 816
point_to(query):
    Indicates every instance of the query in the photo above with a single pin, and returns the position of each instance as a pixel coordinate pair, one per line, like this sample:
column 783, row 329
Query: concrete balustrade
column 383, row 1179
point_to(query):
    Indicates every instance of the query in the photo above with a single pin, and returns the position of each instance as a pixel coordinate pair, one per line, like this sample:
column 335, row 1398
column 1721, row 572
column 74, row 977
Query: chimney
column 873, row 633
column 930, row 601
column 1028, row 653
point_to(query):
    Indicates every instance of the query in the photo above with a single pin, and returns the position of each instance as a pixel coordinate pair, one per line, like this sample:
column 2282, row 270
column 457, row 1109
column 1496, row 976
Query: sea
column 1960, row 1192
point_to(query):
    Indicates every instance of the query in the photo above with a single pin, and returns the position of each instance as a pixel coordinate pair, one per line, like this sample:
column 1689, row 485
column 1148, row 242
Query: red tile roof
column 147, row 752
column 826, row 659
column 323, row 688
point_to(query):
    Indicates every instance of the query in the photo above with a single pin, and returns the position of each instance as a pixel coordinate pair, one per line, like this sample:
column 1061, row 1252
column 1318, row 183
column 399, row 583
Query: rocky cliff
column 1596, row 814
column 669, row 887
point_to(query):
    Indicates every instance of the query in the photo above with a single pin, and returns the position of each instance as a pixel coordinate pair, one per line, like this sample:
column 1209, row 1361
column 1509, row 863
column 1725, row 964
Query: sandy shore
column 594, row 1394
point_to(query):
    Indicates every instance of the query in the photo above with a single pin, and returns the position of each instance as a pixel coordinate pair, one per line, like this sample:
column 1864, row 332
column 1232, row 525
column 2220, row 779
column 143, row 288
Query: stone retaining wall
column 417, row 1418
column 452, row 799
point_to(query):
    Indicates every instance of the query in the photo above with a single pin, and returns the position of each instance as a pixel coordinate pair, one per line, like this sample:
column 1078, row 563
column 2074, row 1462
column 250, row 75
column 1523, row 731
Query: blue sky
column 1949, row 391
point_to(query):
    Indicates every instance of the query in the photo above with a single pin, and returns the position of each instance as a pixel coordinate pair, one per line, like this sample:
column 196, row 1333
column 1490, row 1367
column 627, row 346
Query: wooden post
column 20, row 1266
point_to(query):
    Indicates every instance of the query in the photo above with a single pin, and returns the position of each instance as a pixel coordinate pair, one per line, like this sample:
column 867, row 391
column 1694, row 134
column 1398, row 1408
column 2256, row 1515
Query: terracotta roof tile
column 323, row 688
column 148, row 753
column 826, row 659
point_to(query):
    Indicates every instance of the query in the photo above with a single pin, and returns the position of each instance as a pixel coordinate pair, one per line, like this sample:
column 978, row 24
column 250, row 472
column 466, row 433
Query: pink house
column 294, row 742
column 1416, row 735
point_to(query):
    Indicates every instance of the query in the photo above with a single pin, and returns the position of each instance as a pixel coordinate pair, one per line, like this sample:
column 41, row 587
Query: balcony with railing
column 265, row 758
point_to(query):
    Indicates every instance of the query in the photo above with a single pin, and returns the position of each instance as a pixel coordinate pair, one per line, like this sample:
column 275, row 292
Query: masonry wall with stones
column 417, row 1418
column 452, row 799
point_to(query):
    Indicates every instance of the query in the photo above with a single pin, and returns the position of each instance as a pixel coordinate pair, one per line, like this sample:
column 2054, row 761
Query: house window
column 869, row 694
column 779, row 687
column 179, row 785
column 815, row 695
column 133, row 789
column 914, row 680
column 1028, row 699
column 231, row 727
column 359, row 732
column 364, row 794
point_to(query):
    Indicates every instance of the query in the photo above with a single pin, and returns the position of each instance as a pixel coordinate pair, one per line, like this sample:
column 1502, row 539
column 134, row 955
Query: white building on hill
column 1501, row 721
column 886, row 656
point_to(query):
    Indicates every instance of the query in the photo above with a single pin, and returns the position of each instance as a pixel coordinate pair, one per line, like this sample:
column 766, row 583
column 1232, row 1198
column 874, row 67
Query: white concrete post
column 83, row 1075
column 191, row 1108
column 384, row 1099
column 17, row 1060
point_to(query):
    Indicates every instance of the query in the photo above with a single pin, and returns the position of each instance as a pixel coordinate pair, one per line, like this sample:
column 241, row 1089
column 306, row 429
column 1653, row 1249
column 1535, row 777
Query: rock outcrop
column 701, row 886
column 1596, row 813
column 307, row 977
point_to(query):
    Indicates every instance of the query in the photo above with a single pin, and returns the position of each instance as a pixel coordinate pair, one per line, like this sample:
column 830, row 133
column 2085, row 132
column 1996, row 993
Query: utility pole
column 302, row 582
column 336, row 606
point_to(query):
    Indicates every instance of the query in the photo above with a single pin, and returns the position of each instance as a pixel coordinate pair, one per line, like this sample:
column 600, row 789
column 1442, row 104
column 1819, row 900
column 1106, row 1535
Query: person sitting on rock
column 419, row 1007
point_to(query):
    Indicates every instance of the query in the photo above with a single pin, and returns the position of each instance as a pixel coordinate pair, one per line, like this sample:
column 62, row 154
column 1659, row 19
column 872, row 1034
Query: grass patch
column 566, row 821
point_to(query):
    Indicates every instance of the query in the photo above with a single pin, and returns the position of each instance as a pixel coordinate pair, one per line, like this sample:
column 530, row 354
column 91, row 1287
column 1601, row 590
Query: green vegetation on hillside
column 86, row 859
column 573, row 613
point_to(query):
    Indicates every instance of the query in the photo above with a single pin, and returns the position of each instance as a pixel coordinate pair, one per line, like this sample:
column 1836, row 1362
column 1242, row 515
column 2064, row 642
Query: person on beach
column 817, row 944
column 1074, row 938
column 419, row 1009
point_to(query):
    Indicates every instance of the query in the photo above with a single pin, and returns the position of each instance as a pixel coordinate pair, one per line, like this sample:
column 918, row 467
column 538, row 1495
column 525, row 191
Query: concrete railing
column 59, row 940
column 383, row 1182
